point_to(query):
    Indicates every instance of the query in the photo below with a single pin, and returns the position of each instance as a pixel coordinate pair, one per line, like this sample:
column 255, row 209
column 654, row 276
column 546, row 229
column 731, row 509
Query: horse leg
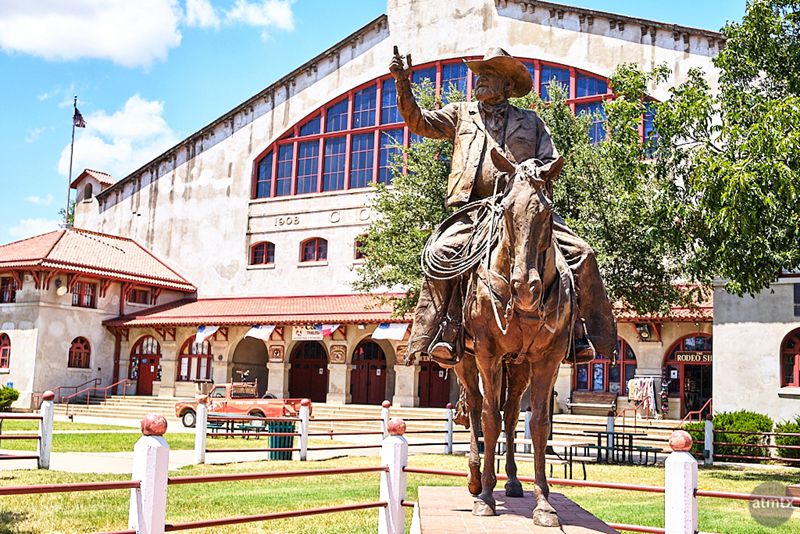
column 490, row 375
column 518, row 378
column 542, row 380
column 467, row 373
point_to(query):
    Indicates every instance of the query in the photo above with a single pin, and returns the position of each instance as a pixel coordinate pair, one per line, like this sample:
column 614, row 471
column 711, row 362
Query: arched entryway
column 434, row 385
column 368, row 377
column 145, row 364
column 688, row 369
column 250, row 363
column 308, row 377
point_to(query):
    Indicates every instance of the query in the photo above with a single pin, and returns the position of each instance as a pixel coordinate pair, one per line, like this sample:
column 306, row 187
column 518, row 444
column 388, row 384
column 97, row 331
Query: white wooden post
column 448, row 427
column 527, row 447
column 385, row 417
column 305, row 413
column 609, row 436
column 680, row 485
column 394, row 454
column 46, row 429
column 200, row 429
column 148, row 507
column 708, row 445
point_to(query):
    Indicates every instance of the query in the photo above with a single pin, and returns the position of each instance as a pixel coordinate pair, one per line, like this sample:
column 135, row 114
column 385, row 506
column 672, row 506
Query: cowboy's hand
column 400, row 70
column 530, row 170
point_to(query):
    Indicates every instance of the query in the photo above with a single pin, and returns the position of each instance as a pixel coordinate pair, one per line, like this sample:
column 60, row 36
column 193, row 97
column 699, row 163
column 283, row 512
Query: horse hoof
column 474, row 488
column 545, row 518
column 483, row 509
column 514, row 489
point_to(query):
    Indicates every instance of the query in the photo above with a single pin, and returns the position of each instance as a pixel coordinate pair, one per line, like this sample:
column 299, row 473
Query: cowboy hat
column 498, row 61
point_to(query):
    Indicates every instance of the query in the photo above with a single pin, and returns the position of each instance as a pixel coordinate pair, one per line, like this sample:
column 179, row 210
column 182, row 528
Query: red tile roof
column 343, row 309
column 102, row 255
column 680, row 314
column 103, row 177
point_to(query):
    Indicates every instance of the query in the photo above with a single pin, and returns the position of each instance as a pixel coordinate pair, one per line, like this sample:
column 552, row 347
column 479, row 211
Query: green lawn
column 83, row 513
column 27, row 425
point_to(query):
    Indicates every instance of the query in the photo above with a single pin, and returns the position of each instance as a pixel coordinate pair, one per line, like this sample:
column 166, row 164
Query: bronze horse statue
column 522, row 305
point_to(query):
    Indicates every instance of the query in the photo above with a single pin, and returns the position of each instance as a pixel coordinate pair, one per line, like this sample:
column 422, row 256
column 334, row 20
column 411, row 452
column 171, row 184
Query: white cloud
column 34, row 134
column 264, row 14
column 31, row 227
column 201, row 14
column 40, row 201
column 130, row 33
column 120, row 142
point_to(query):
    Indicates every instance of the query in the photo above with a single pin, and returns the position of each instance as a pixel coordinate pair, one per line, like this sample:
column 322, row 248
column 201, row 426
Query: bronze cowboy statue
column 506, row 282
column 521, row 135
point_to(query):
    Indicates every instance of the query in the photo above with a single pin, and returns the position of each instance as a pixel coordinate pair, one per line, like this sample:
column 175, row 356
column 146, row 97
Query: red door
column 145, row 358
column 368, row 376
column 434, row 385
column 308, row 377
column 148, row 372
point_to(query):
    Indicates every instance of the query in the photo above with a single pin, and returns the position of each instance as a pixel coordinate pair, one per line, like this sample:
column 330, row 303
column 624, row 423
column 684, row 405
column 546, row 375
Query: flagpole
column 71, row 149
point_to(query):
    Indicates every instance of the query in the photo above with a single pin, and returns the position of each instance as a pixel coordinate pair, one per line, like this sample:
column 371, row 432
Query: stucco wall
column 748, row 332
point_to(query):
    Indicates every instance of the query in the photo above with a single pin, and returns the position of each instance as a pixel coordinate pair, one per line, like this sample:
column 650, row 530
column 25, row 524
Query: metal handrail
column 624, row 413
column 698, row 413
column 105, row 390
column 93, row 381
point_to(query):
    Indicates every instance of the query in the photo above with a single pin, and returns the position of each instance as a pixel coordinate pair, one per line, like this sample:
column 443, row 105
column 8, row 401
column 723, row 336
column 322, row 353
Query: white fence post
column 200, row 429
column 148, row 508
column 609, row 435
column 680, row 485
column 448, row 427
column 394, row 454
column 385, row 417
column 46, row 429
column 527, row 447
column 305, row 410
column 708, row 445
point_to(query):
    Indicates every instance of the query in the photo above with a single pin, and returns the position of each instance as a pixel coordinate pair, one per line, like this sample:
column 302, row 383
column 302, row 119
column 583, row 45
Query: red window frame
column 8, row 290
column 144, row 346
column 293, row 137
column 80, row 352
column 195, row 355
column 624, row 350
column 790, row 355
column 268, row 253
column 358, row 247
column 84, row 295
column 320, row 250
column 5, row 351
column 139, row 296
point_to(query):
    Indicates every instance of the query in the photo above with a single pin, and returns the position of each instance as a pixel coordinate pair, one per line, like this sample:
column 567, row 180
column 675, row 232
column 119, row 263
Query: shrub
column 789, row 427
column 741, row 421
column 697, row 430
column 7, row 396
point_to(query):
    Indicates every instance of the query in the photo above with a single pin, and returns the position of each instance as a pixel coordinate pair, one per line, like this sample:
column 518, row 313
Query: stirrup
column 443, row 354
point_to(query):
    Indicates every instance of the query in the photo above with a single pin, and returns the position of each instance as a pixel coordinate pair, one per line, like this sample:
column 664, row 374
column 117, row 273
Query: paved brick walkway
column 449, row 510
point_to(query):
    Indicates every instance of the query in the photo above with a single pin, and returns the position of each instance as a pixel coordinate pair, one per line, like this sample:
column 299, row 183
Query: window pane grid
column 550, row 74
column 5, row 351
column 336, row 117
column 361, row 160
column 333, row 164
column 391, row 141
column 307, row 154
column 364, row 103
column 389, row 111
column 314, row 250
column 311, row 127
column 8, row 290
column 283, row 180
column 454, row 77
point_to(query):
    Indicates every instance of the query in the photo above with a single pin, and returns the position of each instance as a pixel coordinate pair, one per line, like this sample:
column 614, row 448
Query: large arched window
column 262, row 253
column 194, row 361
column 5, row 351
column 314, row 249
column 602, row 375
column 349, row 142
column 146, row 346
column 79, row 353
column 790, row 360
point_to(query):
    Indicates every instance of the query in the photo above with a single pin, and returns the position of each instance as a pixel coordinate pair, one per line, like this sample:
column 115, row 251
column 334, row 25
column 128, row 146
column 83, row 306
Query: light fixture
column 644, row 332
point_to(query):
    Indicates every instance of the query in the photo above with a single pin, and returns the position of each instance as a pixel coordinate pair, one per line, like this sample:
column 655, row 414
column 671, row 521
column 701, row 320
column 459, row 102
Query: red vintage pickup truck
column 240, row 398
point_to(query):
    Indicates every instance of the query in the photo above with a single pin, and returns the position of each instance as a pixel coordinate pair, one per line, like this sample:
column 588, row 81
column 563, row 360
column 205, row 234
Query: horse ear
column 501, row 162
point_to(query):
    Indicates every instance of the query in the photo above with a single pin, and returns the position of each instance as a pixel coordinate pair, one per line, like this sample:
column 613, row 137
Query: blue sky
column 150, row 72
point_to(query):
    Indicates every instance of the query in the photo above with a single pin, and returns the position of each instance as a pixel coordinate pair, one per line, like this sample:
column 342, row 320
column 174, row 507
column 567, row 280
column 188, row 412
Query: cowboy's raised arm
column 438, row 124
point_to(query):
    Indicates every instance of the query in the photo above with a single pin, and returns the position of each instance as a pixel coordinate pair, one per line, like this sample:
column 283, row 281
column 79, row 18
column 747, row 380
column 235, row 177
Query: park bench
column 647, row 451
column 592, row 402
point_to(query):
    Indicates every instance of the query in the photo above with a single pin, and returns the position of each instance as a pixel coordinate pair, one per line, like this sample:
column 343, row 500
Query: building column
column 219, row 368
column 338, row 383
column 406, row 386
column 278, row 382
column 563, row 387
column 168, row 362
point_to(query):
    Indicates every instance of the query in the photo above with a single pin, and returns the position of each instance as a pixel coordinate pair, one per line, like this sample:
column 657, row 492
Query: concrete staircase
column 117, row 406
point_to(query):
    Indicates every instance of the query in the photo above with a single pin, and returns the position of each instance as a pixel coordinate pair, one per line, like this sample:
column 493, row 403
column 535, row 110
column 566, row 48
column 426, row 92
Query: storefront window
column 605, row 375
column 689, row 371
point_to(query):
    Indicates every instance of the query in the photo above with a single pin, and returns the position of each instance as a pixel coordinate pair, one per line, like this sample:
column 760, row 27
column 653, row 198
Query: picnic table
column 618, row 445
column 228, row 423
column 567, row 458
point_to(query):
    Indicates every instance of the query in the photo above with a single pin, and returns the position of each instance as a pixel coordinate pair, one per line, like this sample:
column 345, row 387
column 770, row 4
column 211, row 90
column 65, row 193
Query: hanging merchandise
column 641, row 391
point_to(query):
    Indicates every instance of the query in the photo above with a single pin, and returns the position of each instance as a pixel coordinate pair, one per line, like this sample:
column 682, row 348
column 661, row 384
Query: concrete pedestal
column 338, row 383
column 449, row 510
column 406, row 386
column 278, row 383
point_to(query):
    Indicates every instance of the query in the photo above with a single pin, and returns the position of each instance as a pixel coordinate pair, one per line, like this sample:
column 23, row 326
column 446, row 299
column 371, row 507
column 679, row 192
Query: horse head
column 528, row 219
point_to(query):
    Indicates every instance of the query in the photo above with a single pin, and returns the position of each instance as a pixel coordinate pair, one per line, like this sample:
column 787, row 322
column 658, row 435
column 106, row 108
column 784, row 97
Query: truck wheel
column 189, row 418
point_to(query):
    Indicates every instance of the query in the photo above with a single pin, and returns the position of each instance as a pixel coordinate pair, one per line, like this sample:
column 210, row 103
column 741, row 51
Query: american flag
column 77, row 119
